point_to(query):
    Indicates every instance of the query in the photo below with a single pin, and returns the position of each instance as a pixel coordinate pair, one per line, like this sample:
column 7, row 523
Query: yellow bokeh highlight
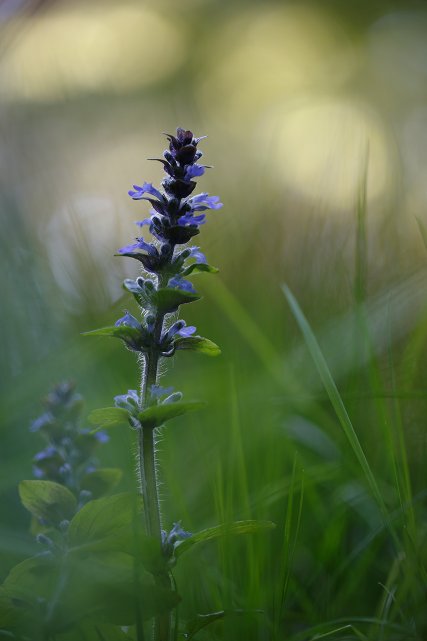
column 79, row 49
column 324, row 147
column 267, row 55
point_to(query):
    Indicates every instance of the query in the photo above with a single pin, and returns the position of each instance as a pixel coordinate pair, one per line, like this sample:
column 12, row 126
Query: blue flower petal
column 140, row 245
column 128, row 320
column 137, row 193
column 192, row 171
column 178, row 282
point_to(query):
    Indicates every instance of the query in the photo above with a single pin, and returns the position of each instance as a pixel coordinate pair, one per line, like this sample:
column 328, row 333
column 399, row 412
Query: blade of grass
column 338, row 405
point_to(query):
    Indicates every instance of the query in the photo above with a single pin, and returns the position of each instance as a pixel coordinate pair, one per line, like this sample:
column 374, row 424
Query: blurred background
column 316, row 114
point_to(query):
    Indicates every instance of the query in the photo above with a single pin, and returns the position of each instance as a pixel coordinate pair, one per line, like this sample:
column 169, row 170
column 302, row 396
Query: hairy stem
column 147, row 472
column 146, row 454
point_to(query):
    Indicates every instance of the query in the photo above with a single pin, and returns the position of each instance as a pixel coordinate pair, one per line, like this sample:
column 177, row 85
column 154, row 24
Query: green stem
column 147, row 472
column 146, row 451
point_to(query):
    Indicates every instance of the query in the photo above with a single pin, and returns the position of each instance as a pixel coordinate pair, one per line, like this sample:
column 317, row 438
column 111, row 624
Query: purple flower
column 170, row 540
column 193, row 252
column 204, row 201
column 128, row 320
column 101, row 437
column 45, row 420
column 157, row 391
column 48, row 453
column 178, row 282
column 192, row 171
column 146, row 221
column 140, row 245
column 189, row 219
column 127, row 401
column 137, row 193
column 180, row 329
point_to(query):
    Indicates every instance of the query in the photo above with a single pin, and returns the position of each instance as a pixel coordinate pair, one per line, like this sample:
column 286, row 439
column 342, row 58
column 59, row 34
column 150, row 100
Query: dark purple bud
column 178, row 188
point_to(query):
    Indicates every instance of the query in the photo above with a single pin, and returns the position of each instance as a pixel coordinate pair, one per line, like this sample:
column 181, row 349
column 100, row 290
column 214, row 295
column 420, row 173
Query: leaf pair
column 152, row 417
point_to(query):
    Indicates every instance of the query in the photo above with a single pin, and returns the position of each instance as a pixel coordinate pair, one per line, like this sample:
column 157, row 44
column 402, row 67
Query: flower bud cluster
column 70, row 449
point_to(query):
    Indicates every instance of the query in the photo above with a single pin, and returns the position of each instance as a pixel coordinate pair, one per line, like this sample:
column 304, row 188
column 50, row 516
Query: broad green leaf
column 116, row 332
column 159, row 414
column 102, row 523
column 134, row 337
column 107, row 417
column 31, row 579
column 168, row 299
column 27, row 585
column 101, row 481
column 197, row 344
column 198, row 268
column 238, row 527
column 114, row 523
column 47, row 500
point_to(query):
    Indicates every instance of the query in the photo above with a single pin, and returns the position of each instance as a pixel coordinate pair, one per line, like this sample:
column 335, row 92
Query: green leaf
column 30, row 580
column 159, row 414
column 107, row 417
column 101, row 481
column 198, row 268
column 197, row 344
column 168, row 299
column 111, row 524
column 109, row 588
column 134, row 337
column 102, row 523
column 48, row 500
column 112, row 330
column 238, row 527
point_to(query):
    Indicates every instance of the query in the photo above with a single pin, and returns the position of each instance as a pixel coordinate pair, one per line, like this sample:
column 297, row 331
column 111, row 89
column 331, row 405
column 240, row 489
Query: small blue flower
column 170, row 540
column 178, row 282
column 192, row 171
column 48, row 453
column 197, row 255
column 139, row 245
column 147, row 188
column 101, row 437
column 128, row 320
column 128, row 401
column 204, row 201
column 157, row 391
column 189, row 219
column 45, row 420
column 180, row 329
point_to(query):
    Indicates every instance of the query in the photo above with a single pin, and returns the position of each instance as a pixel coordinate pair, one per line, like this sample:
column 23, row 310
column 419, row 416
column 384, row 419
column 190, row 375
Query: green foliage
column 199, row 268
column 101, row 481
column 223, row 530
column 335, row 398
column 168, row 300
column 103, row 524
column 101, row 572
column 47, row 500
column 106, row 417
column 156, row 415
column 197, row 344
column 135, row 337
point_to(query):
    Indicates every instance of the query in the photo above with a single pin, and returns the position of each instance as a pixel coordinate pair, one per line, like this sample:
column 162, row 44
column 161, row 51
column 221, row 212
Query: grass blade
column 336, row 401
